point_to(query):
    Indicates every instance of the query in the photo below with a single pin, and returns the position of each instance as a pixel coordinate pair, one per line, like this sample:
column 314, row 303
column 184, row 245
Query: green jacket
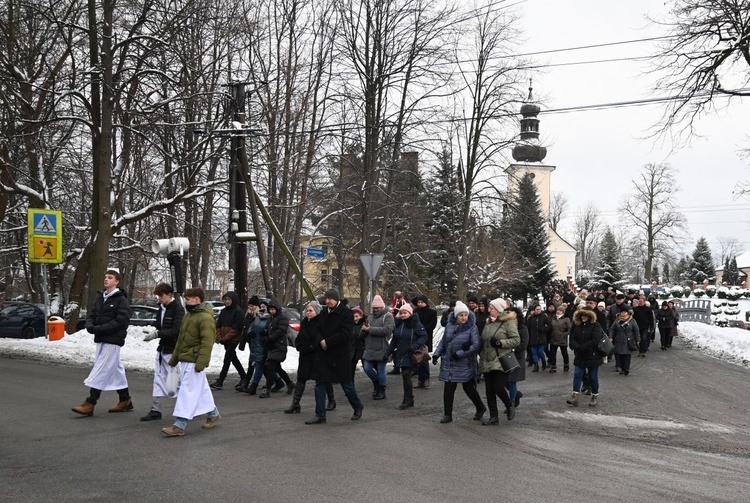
column 505, row 330
column 196, row 339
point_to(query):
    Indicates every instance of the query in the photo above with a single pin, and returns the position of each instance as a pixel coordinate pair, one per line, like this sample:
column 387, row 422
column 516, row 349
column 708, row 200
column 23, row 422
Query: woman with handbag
column 459, row 348
column 624, row 334
column 519, row 374
column 584, row 339
column 408, row 336
column 499, row 338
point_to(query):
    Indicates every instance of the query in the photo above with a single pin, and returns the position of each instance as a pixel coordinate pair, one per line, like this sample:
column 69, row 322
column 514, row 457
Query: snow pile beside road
column 727, row 343
column 79, row 349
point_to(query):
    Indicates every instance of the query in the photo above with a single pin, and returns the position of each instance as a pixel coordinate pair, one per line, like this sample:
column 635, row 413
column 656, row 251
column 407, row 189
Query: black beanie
column 332, row 294
column 254, row 301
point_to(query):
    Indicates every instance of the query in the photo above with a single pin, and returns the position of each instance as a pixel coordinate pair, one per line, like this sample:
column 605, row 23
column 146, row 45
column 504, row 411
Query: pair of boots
column 573, row 400
column 407, row 402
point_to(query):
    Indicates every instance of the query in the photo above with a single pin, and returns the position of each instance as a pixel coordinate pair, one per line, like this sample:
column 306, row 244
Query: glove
column 454, row 356
column 151, row 333
column 496, row 343
column 385, row 357
column 434, row 360
column 466, row 346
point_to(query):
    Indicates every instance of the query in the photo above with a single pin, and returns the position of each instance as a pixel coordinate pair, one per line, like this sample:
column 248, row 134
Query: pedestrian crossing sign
column 45, row 236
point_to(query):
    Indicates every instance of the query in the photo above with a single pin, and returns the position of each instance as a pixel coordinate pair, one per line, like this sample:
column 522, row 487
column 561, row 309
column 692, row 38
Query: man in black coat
column 166, row 328
column 333, row 357
column 644, row 318
column 108, row 320
column 428, row 317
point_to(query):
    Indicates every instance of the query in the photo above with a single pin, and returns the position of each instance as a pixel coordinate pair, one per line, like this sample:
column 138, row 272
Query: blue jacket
column 258, row 350
column 458, row 348
column 408, row 336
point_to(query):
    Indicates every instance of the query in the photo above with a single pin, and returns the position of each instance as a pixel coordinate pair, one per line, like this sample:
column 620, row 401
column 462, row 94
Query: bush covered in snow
column 734, row 294
column 710, row 291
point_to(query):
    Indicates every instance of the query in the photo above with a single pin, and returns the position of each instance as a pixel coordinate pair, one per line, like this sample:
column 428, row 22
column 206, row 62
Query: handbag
column 509, row 362
column 421, row 354
column 605, row 346
column 173, row 381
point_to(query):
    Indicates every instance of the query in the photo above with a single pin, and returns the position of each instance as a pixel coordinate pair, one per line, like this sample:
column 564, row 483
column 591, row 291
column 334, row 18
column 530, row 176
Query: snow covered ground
column 731, row 344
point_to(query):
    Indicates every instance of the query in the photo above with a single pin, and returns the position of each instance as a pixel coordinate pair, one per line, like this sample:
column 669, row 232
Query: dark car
column 21, row 320
column 294, row 321
column 738, row 324
column 140, row 316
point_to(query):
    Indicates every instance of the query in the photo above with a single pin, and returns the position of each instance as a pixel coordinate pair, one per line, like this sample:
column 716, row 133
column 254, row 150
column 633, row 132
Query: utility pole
column 237, row 199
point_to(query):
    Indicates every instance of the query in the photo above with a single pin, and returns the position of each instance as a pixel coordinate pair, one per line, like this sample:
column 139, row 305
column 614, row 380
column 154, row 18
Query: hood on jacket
column 233, row 297
column 584, row 312
column 274, row 303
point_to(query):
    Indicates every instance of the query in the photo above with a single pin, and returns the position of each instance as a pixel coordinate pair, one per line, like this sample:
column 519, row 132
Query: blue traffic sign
column 314, row 252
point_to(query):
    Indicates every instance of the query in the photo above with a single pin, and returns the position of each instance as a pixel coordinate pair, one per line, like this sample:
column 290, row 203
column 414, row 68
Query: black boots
column 544, row 365
column 510, row 412
column 479, row 413
column 251, row 389
column 406, row 403
column 217, row 384
column 536, row 367
column 380, row 395
column 278, row 385
column 242, row 386
column 492, row 420
column 331, row 404
column 294, row 408
column 265, row 393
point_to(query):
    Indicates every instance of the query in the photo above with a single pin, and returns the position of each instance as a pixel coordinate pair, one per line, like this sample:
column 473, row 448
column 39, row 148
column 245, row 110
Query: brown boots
column 594, row 400
column 573, row 400
column 85, row 409
column 122, row 406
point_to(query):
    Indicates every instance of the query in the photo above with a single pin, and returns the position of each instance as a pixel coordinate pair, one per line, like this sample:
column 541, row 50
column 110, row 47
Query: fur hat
column 357, row 309
column 498, row 304
column 460, row 308
column 377, row 301
column 332, row 294
column 601, row 304
column 406, row 307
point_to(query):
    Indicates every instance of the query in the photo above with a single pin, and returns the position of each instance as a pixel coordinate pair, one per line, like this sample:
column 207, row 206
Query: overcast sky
column 597, row 153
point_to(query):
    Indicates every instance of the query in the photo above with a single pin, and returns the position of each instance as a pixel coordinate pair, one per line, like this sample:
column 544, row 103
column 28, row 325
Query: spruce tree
column 665, row 273
column 528, row 239
column 608, row 270
column 731, row 272
column 702, row 265
column 443, row 226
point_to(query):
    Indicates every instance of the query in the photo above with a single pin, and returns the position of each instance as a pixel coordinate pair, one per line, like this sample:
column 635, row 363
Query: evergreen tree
column 682, row 269
column 702, row 264
column 655, row 273
column 608, row 270
column 731, row 272
column 442, row 228
column 665, row 273
column 528, row 239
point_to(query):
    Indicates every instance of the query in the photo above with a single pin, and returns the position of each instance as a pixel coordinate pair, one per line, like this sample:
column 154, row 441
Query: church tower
column 529, row 154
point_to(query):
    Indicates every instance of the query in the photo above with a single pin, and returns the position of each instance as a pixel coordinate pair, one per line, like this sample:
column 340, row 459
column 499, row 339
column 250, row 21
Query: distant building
column 529, row 154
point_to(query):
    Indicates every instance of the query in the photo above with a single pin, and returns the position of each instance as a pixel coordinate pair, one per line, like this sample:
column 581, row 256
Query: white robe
column 161, row 371
column 194, row 396
column 108, row 373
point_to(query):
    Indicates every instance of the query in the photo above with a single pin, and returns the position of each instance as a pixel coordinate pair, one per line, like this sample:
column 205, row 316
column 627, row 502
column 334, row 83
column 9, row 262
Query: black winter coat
column 428, row 317
column 408, row 336
column 109, row 320
column 306, row 344
column 169, row 328
column 275, row 336
column 584, row 338
column 539, row 329
column 665, row 318
column 333, row 364
column 231, row 322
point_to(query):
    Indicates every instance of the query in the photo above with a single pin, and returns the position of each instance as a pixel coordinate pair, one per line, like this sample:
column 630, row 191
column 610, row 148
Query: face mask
column 190, row 307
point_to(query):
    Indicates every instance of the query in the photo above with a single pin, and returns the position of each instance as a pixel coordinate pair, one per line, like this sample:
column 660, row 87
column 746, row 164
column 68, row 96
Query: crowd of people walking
column 489, row 340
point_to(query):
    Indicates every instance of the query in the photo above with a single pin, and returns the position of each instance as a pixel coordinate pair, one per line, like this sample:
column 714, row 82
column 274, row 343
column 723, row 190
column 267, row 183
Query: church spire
column 529, row 149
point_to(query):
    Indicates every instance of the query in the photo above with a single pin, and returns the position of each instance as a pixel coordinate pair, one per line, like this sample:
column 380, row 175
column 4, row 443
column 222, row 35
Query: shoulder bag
column 509, row 362
column 605, row 346
column 421, row 354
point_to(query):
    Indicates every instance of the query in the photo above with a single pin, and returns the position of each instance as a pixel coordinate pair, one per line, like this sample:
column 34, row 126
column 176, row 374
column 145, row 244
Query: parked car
column 294, row 323
column 21, row 320
column 140, row 316
column 738, row 324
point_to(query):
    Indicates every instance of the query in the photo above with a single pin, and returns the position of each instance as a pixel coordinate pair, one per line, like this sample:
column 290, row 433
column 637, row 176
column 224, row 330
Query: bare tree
column 491, row 85
column 652, row 211
column 558, row 205
column 587, row 230
column 729, row 246
column 704, row 57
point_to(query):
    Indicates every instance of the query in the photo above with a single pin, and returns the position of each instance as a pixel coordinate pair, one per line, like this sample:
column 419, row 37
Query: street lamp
column 174, row 249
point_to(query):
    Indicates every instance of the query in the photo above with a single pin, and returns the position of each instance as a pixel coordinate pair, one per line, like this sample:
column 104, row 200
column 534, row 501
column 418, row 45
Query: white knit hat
column 498, row 304
column 460, row 308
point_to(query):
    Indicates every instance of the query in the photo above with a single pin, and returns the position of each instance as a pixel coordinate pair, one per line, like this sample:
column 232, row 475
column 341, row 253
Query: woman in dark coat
column 665, row 321
column 560, row 326
column 673, row 332
column 275, row 341
column 309, row 333
column 625, row 334
column 584, row 339
column 459, row 348
column 539, row 328
column 358, row 338
column 518, row 375
column 229, row 329
column 408, row 336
